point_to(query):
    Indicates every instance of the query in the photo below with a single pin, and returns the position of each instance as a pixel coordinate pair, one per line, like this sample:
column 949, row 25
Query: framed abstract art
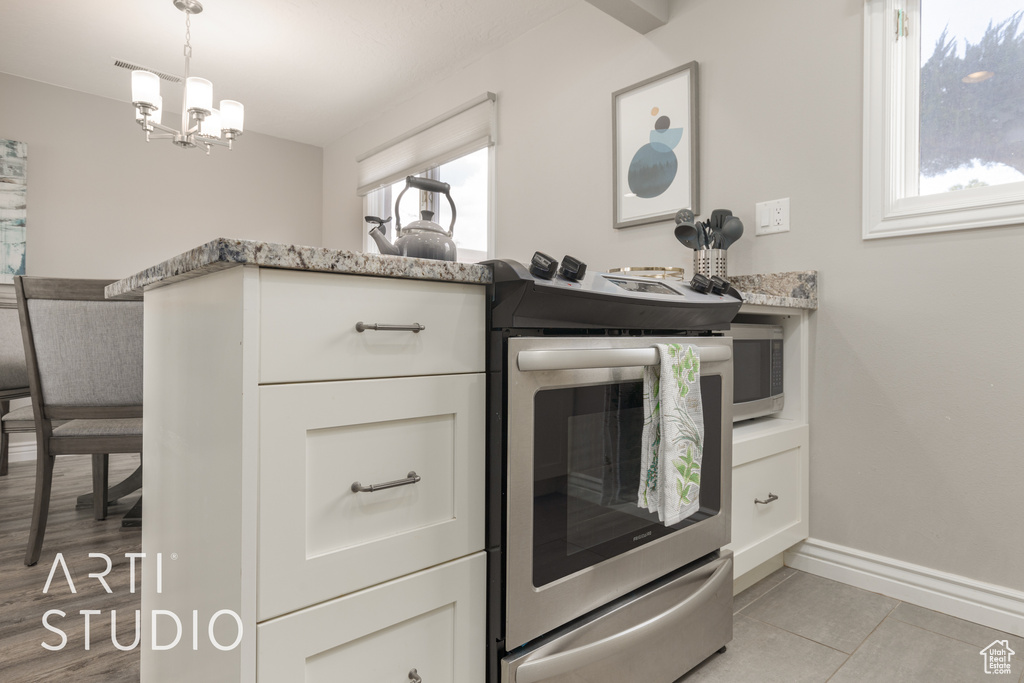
column 655, row 148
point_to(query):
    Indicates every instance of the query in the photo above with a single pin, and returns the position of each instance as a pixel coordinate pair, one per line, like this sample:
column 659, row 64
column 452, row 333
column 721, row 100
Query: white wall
column 103, row 203
column 917, row 377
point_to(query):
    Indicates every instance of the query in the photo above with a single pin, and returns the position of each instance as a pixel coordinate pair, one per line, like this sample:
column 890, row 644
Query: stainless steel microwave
column 757, row 371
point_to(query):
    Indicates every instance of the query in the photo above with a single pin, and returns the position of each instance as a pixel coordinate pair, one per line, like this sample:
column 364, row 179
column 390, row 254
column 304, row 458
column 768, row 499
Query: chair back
column 83, row 350
column 13, row 369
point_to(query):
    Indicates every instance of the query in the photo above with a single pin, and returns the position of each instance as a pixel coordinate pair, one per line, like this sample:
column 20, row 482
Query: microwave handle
column 580, row 359
column 553, row 665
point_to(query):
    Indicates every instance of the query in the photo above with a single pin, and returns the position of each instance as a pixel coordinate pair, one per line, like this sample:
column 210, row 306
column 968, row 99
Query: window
column 456, row 148
column 469, row 177
column 944, row 115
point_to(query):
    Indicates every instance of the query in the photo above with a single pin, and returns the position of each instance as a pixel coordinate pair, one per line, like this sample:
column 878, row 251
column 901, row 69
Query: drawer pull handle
column 363, row 327
column 771, row 497
column 415, row 677
column 410, row 478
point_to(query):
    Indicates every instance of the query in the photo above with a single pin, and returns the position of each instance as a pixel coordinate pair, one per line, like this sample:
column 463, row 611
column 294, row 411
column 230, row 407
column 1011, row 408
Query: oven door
column 576, row 538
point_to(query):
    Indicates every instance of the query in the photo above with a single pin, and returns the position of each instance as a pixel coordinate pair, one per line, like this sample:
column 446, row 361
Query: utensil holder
column 710, row 262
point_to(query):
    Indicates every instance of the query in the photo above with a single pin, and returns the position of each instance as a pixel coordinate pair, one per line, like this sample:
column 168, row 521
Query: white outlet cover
column 772, row 217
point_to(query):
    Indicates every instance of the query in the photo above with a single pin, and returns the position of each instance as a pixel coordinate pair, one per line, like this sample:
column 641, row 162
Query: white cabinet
column 317, row 537
column 308, row 327
column 263, row 407
column 771, row 456
column 770, row 467
column 431, row 622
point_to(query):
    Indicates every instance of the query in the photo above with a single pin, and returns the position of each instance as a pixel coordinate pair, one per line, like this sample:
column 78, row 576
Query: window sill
column 963, row 210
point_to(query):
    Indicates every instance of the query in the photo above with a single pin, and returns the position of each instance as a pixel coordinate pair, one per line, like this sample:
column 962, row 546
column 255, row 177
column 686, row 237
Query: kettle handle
column 427, row 185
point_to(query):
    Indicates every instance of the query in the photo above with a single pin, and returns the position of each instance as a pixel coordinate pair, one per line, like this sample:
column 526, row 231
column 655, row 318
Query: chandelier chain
column 188, row 34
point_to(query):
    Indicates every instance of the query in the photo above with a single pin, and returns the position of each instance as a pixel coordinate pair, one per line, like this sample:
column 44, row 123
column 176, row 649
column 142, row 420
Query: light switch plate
column 772, row 217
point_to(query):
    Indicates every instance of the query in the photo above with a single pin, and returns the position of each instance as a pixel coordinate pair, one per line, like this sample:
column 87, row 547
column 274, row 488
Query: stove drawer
column 308, row 327
column 431, row 621
column 317, row 537
column 656, row 634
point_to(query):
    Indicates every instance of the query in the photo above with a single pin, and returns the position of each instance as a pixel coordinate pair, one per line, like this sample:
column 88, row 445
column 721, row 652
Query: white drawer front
column 780, row 474
column 431, row 621
column 319, row 539
column 308, row 327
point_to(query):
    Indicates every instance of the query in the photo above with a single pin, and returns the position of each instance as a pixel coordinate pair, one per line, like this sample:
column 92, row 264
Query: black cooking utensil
column 718, row 217
column 686, row 232
column 732, row 230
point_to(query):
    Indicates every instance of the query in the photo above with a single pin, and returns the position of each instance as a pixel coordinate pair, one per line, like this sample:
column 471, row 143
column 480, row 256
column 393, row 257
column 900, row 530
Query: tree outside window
column 972, row 95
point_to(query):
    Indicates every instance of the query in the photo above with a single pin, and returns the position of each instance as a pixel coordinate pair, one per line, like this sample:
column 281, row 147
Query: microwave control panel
column 776, row 378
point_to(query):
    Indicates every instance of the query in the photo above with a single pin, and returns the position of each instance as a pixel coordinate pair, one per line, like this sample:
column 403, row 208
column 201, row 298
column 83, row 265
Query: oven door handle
column 544, row 668
column 580, row 359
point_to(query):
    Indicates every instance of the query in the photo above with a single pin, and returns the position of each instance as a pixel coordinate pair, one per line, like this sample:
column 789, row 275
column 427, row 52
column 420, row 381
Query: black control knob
column 719, row 285
column 700, row 283
column 572, row 269
column 543, row 266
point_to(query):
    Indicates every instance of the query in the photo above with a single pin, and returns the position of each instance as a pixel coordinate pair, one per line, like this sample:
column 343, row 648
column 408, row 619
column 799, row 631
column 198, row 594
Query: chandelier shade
column 198, row 95
column 232, row 115
column 201, row 124
column 211, row 126
column 145, row 87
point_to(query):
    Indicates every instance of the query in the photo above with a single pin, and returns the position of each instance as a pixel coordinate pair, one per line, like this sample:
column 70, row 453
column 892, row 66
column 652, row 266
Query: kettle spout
column 382, row 242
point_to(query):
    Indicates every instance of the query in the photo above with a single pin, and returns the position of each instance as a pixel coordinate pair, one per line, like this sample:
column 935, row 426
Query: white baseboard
column 22, row 452
column 982, row 603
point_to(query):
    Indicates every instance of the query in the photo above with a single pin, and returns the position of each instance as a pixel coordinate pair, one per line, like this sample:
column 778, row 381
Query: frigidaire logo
column 642, row 536
column 160, row 618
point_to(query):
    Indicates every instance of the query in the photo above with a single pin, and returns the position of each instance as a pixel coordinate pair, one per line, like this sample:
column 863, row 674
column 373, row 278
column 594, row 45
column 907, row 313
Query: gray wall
column 103, row 203
column 916, row 369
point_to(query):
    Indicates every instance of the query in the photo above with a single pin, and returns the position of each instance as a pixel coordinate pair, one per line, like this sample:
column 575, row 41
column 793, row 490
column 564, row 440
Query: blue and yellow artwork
column 654, row 165
column 13, row 161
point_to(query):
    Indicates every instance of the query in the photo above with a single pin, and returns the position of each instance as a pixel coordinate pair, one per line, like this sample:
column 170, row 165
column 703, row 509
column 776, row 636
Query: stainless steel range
column 584, row 585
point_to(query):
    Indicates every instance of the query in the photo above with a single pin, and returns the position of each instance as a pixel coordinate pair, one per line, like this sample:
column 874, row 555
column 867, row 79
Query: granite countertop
column 224, row 253
column 796, row 289
column 791, row 290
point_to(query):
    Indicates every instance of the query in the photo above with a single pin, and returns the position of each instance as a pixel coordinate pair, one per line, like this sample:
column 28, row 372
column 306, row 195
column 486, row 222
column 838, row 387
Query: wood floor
column 74, row 533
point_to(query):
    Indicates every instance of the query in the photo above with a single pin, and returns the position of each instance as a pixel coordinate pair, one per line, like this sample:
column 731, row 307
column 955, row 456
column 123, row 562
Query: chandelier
column 201, row 125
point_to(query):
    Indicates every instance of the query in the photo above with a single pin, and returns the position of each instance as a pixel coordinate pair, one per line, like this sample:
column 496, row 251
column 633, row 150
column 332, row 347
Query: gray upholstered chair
column 84, row 356
column 13, row 374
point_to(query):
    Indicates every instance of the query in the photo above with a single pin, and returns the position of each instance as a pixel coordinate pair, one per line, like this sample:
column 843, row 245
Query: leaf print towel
column 673, row 436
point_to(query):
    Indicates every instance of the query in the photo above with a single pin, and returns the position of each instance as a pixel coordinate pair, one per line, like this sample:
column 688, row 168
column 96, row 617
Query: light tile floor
column 794, row 627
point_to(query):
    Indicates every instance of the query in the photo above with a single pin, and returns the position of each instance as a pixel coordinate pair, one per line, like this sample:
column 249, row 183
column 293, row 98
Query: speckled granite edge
column 225, row 253
column 796, row 289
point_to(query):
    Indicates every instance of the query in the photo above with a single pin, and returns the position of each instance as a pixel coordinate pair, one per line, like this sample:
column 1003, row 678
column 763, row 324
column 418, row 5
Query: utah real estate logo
column 997, row 657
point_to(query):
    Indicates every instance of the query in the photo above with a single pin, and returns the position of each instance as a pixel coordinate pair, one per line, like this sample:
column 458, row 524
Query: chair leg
column 133, row 518
column 5, row 439
column 130, row 484
column 100, row 465
column 41, row 506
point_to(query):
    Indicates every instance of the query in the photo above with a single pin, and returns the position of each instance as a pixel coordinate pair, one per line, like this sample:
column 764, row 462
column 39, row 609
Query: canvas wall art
column 13, row 162
column 654, row 148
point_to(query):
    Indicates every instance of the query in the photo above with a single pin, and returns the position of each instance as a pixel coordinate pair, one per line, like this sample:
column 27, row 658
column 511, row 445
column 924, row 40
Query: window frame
column 892, row 207
column 380, row 202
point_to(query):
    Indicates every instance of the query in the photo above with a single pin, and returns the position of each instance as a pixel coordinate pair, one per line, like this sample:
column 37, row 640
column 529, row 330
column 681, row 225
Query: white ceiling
column 306, row 70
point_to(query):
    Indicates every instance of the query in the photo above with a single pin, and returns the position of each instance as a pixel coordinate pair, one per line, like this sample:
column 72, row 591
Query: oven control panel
column 561, row 293
column 570, row 274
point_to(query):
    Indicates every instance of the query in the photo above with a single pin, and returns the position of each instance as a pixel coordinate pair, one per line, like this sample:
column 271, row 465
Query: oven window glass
column 587, row 472
column 751, row 369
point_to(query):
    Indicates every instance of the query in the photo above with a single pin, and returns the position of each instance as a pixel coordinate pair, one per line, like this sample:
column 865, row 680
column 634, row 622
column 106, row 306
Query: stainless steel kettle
column 423, row 238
